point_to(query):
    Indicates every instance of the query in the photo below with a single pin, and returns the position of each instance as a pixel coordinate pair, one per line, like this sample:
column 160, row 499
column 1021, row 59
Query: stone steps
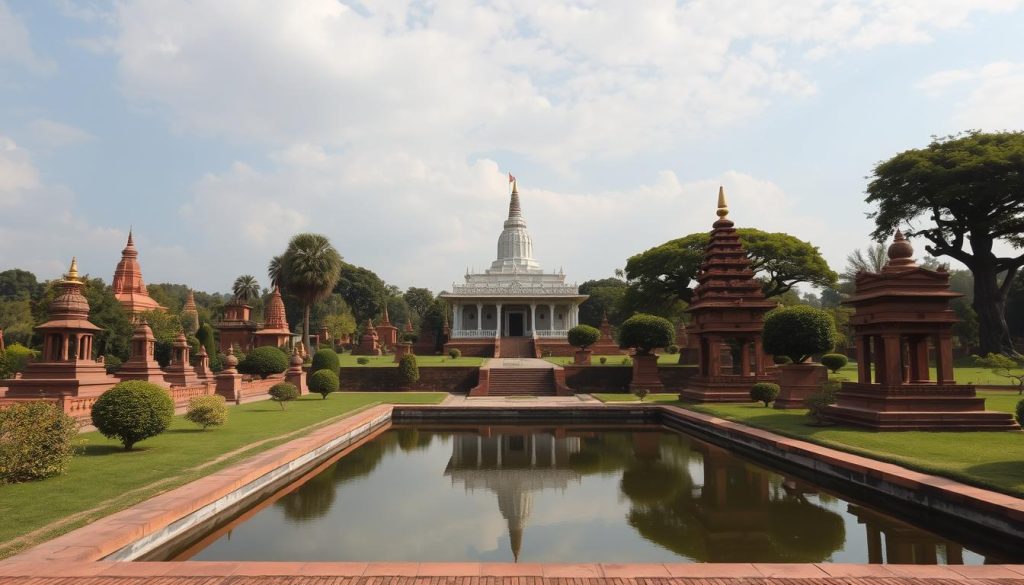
column 521, row 382
column 516, row 347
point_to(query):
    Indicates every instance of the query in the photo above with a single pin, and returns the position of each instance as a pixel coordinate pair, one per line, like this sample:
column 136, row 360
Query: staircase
column 521, row 381
column 516, row 347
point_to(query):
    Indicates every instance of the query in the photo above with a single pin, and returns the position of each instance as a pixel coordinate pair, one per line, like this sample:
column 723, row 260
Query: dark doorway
column 515, row 325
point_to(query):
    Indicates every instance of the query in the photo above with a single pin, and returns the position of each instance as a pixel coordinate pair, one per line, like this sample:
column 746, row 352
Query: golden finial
column 72, row 274
column 723, row 209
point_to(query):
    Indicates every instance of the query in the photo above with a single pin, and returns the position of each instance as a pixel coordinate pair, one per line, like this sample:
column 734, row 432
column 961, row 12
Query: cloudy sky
column 218, row 129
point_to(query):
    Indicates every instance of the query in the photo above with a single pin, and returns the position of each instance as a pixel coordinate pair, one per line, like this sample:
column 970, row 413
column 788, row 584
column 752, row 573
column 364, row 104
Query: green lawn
column 993, row 460
column 103, row 479
column 425, row 361
column 617, row 360
column 625, row 397
column 962, row 375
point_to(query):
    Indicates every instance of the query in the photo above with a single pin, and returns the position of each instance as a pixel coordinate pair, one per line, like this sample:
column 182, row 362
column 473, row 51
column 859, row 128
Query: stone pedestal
column 229, row 381
column 582, row 357
column 295, row 375
column 402, row 349
column 645, row 374
column 797, row 382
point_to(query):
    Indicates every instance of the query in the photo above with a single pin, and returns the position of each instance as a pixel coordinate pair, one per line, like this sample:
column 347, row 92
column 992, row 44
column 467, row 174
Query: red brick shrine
column 129, row 289
column 901, row 315
column 728, row 309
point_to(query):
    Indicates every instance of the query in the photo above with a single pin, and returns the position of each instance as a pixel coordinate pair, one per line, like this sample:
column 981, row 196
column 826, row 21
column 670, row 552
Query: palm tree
column 246, row 288
column 308, row 270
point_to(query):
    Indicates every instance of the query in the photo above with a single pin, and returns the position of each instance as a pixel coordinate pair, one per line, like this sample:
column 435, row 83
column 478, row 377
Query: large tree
column 605, row 298
column 363, row 290
column 246, row 288
column 662, row 276
column 964, row 194
column 308, row 270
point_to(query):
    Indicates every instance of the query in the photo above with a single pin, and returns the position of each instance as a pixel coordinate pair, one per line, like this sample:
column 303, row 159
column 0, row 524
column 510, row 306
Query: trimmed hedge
column 408, row 370
column 325, row 359
column 583, row 336
column 454, row 353
column 323, row 382
column 765, row 392
column 798, row 332
column 132, row 411
column 264, row 361
column 646, row 333
column 834, row 361
column 283, row 392
column 37, row 440
column 207, row 411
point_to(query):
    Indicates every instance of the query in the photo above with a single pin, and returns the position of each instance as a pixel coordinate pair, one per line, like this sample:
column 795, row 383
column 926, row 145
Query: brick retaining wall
column 616, row 378
column 440, row 379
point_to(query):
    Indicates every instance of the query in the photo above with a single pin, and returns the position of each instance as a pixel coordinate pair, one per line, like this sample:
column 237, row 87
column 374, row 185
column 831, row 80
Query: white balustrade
column 553, row 333
column 473, row 333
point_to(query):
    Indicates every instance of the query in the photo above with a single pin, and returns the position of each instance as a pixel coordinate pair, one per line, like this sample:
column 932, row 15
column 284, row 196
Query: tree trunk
column 990, row 305
column 305, row 329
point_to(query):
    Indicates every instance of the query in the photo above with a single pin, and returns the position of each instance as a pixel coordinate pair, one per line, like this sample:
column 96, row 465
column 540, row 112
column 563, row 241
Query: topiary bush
column 325, row 359
column 641, row 393
column 672, row 349
column 283, row 392
column 323, row 382
column 817, row 402
column 454, row 353
column 798, row 332
column 646, row 332
column 132, row 411
column 834, row 361
column 765, row 392
column 362, row 360
column 583, row 336
column 408, row 370
column 603, row 360
column 37, row 440
column 15, row 358
column 207, row 411
column 112, row 363
column 264, row 361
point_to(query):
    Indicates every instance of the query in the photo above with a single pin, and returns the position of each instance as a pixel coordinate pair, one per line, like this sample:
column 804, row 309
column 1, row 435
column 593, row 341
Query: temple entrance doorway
column 516, row 326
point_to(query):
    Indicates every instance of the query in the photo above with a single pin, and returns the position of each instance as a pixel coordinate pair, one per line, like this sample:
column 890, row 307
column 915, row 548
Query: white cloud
column 53, row 134
column 990, row 97
column 16, row 45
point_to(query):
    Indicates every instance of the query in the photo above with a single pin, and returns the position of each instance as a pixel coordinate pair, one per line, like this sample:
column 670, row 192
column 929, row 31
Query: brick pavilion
column 514, row 306
column 728, row 309
column 129, row 289
column 900, row 314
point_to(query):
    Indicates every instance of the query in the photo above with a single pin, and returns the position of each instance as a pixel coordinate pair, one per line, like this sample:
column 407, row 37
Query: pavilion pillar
column 456, row 309
column 551, row 316
column 878, row 355
column 759, row 366
column 65, row 339
column 498, row 321
column 533, row 318
column 714, row 357
column 893, row 368
column 745, row 358
column 944, row 357
column 479, row 318
column 863, row 357
column 919, row 359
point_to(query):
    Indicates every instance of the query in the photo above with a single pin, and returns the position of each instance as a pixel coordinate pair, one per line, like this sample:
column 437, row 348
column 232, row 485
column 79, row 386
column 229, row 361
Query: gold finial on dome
column 723, row 209
column 72, row 275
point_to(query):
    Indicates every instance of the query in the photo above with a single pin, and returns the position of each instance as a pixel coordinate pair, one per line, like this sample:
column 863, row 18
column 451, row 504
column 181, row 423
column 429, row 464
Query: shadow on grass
column 997, row 469
column 185, row 431
column 103, row 450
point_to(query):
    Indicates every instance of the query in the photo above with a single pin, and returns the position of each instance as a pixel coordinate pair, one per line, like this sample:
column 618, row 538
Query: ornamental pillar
column 533, row 317
column 944, row 358
column 863, row 359
column 498, row 321
column 479, row 317
column 551, row 316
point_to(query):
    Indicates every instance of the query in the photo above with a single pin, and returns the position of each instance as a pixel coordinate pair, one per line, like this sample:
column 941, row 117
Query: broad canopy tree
column 964, row 194
column 308, row 270
column 663, row 276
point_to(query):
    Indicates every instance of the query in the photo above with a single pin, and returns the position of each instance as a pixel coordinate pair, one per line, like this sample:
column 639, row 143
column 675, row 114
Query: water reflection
column 567, row 494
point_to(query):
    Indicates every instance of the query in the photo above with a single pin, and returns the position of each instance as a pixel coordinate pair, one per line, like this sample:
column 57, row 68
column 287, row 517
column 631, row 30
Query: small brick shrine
column 728, row 309
column 899, row 314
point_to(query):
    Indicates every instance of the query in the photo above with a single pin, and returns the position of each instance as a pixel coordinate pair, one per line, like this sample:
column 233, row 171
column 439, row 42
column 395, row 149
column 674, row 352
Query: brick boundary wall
column 432, row 379
column 616, row 378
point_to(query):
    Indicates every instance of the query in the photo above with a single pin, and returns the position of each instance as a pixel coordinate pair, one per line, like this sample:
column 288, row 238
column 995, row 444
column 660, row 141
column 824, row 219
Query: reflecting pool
column 562, row 494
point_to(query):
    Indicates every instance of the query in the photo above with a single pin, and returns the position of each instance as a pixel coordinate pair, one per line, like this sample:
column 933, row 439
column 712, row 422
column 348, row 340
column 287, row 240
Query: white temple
column 514, row 297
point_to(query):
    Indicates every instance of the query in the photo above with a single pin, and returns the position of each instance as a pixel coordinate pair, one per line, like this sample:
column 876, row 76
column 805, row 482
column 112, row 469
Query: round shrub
column 37, row 440
column 454, row 353
column 798, row 332
column 112, row 363
column 408, row 371
column 207, row 411
column 583, row 336
column 323, row 382
column 834, row 361
column 410, row 337
column 817, row 402
column 132, row 411
column 264, row 361
column 362, row 360
column 646, row 332
column 283, row 392
column 672, row 349
column 15, row 359
column 1020, row 413
column 764, row 392
column 603, row 360
column 641, row 393
column 325, row 359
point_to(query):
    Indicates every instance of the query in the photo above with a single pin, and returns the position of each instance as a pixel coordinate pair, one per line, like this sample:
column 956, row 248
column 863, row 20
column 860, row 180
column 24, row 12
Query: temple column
column 576, row 315
column 714, row 357
column 456, row 314
column 479, row 318
column 893, row 368
column 533, row 317
column 745, row 358
column 551, row 316
column 944, row 358
column 863, row 357
column 878, row 354
column 759, row 366
column 498, row 321
column 919, row 359
column 64, row 339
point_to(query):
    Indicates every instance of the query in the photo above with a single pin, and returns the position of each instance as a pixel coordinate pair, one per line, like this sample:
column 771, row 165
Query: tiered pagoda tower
column 386, row 332
column 190, row 315
column 899, row 315
column 237, row 328
column 275, row 329
column 129, row 289
column 728, row 309
column 66, row 366
column 142, row 364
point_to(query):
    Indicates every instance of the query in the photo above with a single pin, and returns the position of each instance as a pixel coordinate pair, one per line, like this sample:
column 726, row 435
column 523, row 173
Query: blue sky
column 219, row 129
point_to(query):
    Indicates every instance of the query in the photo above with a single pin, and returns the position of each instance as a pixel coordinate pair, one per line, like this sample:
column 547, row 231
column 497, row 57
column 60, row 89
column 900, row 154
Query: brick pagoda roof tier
column 276, row 319
column 129, row 289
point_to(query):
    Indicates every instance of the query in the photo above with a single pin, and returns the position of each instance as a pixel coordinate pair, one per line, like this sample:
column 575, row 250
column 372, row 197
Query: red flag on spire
column 511, row 179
